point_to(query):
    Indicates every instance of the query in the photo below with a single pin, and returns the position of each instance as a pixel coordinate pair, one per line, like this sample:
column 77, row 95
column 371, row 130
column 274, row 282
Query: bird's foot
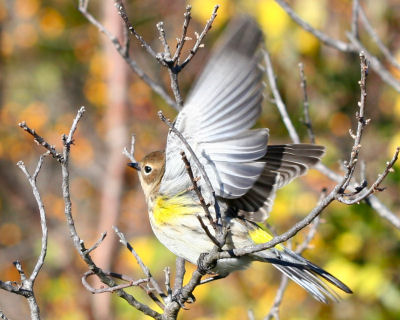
column 204, row 266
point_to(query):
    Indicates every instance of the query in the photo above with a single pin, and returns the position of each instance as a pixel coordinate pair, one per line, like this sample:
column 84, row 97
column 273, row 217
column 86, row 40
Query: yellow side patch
column 167, row 209
column 262, row 236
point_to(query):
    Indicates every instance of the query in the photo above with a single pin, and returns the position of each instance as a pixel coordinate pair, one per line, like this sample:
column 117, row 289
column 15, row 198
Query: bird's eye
column 147, row 169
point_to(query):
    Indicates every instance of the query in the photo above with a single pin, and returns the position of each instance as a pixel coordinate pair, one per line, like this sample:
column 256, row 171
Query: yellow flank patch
column 167, row 209
column 262, row 236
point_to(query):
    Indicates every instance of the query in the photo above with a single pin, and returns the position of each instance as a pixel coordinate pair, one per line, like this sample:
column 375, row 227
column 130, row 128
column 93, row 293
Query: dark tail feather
column 305, row 274
column 328, row 277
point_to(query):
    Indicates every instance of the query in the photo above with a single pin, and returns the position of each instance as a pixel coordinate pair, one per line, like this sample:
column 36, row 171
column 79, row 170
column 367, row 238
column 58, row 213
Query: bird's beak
column 134, row 165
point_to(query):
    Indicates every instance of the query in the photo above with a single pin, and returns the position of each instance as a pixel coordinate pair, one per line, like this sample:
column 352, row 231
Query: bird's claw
column 204, row 266
column 179, row 299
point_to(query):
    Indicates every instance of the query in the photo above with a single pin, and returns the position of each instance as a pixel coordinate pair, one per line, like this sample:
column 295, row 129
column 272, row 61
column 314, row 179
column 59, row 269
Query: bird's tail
column 304, row 273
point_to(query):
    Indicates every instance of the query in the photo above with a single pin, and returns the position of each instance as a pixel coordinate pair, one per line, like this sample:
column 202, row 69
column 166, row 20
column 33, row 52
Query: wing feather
column 223, row 105
column 283, row 163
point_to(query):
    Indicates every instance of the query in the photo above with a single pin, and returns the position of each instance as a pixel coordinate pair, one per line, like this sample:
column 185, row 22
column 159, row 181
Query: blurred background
column 52, row 61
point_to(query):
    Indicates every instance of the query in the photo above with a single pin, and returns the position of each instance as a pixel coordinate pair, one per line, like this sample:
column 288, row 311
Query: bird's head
column 151, row 170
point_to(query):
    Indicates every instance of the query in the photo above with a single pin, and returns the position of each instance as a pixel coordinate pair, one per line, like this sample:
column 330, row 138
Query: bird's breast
column 167, row 209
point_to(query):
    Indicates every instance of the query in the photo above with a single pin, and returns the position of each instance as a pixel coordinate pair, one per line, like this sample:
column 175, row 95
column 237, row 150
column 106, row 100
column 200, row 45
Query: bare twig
column 181, row 41
column 167, row 51
column 383, row 211
column 375, row 186
column 306, row 105
column 200, row 38
column 130, row 283
column 131, row 152
column 126, row 42
column 169, row 63
column 198, row 193
column 98, row 242
column 144, row 268
column 122, row 12
column 39, row 140
column 354, row 18
column 374, row 36
column 167, row 283
column 376, row 65
column 278, row 99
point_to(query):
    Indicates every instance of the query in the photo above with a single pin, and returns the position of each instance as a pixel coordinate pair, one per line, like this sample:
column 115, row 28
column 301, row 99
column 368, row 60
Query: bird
column 245, row 172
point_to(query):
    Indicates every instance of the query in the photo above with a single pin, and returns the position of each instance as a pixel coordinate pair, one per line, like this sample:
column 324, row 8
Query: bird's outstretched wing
column 283, row 163
column 223, row 105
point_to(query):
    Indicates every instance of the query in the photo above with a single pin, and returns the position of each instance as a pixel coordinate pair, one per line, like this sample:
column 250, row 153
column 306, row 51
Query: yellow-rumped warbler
column 245, row 174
